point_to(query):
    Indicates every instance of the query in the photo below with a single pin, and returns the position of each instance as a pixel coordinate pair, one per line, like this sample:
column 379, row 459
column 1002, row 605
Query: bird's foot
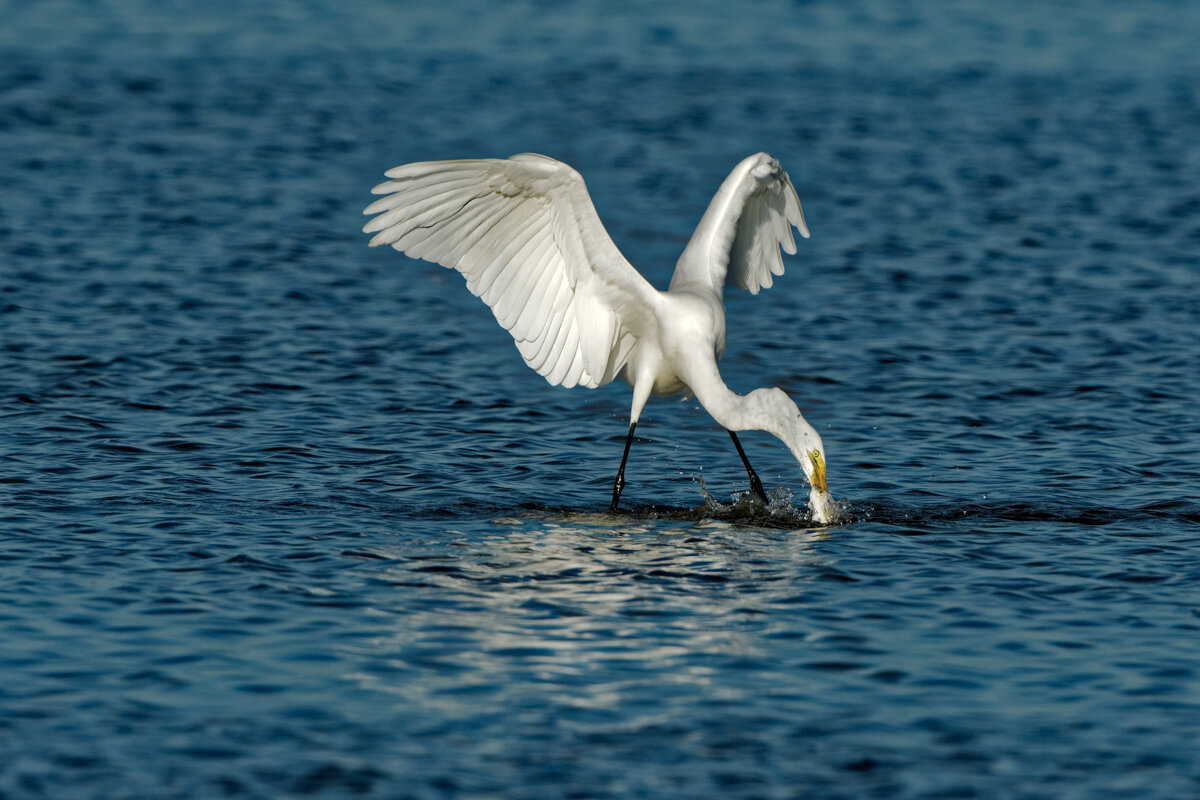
column 757, row 487
column 618, row 486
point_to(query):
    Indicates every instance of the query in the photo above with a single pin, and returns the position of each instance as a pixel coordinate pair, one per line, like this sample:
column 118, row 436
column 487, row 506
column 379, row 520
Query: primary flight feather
column 525, row 235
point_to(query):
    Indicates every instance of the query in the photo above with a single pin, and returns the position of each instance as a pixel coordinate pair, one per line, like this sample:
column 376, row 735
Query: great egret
column 524, row 233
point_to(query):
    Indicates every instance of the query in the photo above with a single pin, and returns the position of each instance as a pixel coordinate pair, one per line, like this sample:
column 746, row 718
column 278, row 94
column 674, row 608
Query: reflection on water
column 563, row 603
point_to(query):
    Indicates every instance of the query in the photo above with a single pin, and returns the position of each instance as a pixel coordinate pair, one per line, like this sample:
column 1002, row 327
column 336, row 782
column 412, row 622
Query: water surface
column 286, row 516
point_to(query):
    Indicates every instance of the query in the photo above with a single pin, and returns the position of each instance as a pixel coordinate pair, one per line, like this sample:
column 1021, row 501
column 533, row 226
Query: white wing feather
column 738, row 239
column 525, row 235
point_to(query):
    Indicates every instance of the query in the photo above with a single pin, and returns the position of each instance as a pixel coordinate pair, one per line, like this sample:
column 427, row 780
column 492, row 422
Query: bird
column 525, row 235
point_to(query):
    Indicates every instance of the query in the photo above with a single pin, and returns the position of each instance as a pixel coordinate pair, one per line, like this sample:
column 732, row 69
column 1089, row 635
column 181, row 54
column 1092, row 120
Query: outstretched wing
column 738, row 239
column 524, row 233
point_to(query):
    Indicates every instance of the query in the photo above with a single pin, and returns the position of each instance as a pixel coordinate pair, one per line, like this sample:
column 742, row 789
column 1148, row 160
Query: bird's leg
column 619, row 483
column 755, row 483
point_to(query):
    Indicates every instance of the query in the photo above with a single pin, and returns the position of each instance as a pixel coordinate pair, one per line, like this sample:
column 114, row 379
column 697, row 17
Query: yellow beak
column 818, row 474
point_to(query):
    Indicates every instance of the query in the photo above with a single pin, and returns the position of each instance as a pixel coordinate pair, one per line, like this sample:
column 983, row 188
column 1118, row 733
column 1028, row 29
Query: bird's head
column 778, row 414
column 810, row 452
column 824, row 509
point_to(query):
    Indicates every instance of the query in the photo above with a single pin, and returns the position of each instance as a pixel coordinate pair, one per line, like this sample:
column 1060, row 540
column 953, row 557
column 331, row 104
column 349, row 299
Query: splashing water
column 779, row 511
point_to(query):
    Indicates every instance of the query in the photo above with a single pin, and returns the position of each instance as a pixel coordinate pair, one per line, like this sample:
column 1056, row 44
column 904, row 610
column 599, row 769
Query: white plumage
column 525, row 235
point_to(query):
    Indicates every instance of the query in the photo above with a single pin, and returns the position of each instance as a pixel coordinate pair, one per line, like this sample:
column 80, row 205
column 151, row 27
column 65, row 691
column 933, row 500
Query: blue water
column 282, row 515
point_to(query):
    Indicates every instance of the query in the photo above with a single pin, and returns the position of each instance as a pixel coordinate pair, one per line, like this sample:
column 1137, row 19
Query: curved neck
column 769, row 410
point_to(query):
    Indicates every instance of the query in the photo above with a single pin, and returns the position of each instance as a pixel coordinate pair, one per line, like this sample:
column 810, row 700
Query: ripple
column 289, row 516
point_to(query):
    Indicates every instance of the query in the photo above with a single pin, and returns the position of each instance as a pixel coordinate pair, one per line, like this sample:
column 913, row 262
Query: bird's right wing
column 525, row 235
column 738, row 239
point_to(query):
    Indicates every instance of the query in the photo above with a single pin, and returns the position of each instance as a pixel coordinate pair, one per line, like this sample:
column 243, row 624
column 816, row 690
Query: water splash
column 745, row 507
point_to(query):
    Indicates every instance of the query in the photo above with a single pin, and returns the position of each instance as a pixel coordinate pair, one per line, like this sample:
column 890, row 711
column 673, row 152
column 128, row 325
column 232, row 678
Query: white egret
column 525, row 235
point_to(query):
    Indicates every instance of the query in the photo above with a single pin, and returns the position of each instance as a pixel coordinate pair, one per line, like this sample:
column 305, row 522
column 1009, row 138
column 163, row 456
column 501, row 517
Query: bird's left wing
column 525, row 235
column 738, row 239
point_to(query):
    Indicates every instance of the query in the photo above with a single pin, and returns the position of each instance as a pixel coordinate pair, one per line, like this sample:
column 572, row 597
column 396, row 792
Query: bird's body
column 525, row 235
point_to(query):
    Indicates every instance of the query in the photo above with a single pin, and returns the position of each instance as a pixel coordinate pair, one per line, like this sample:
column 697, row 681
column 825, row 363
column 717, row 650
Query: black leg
column 755, row 483
column 619, row 483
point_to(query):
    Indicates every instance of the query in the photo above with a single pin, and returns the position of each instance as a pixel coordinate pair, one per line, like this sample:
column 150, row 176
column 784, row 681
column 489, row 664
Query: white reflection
column 584, row 611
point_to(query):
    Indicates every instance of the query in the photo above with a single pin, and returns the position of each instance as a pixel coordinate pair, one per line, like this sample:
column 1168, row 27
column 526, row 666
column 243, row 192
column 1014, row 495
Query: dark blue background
column 286, row 516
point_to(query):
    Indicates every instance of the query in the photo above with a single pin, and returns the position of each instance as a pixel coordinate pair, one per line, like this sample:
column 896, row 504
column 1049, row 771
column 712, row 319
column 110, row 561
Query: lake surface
column 282, row 515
